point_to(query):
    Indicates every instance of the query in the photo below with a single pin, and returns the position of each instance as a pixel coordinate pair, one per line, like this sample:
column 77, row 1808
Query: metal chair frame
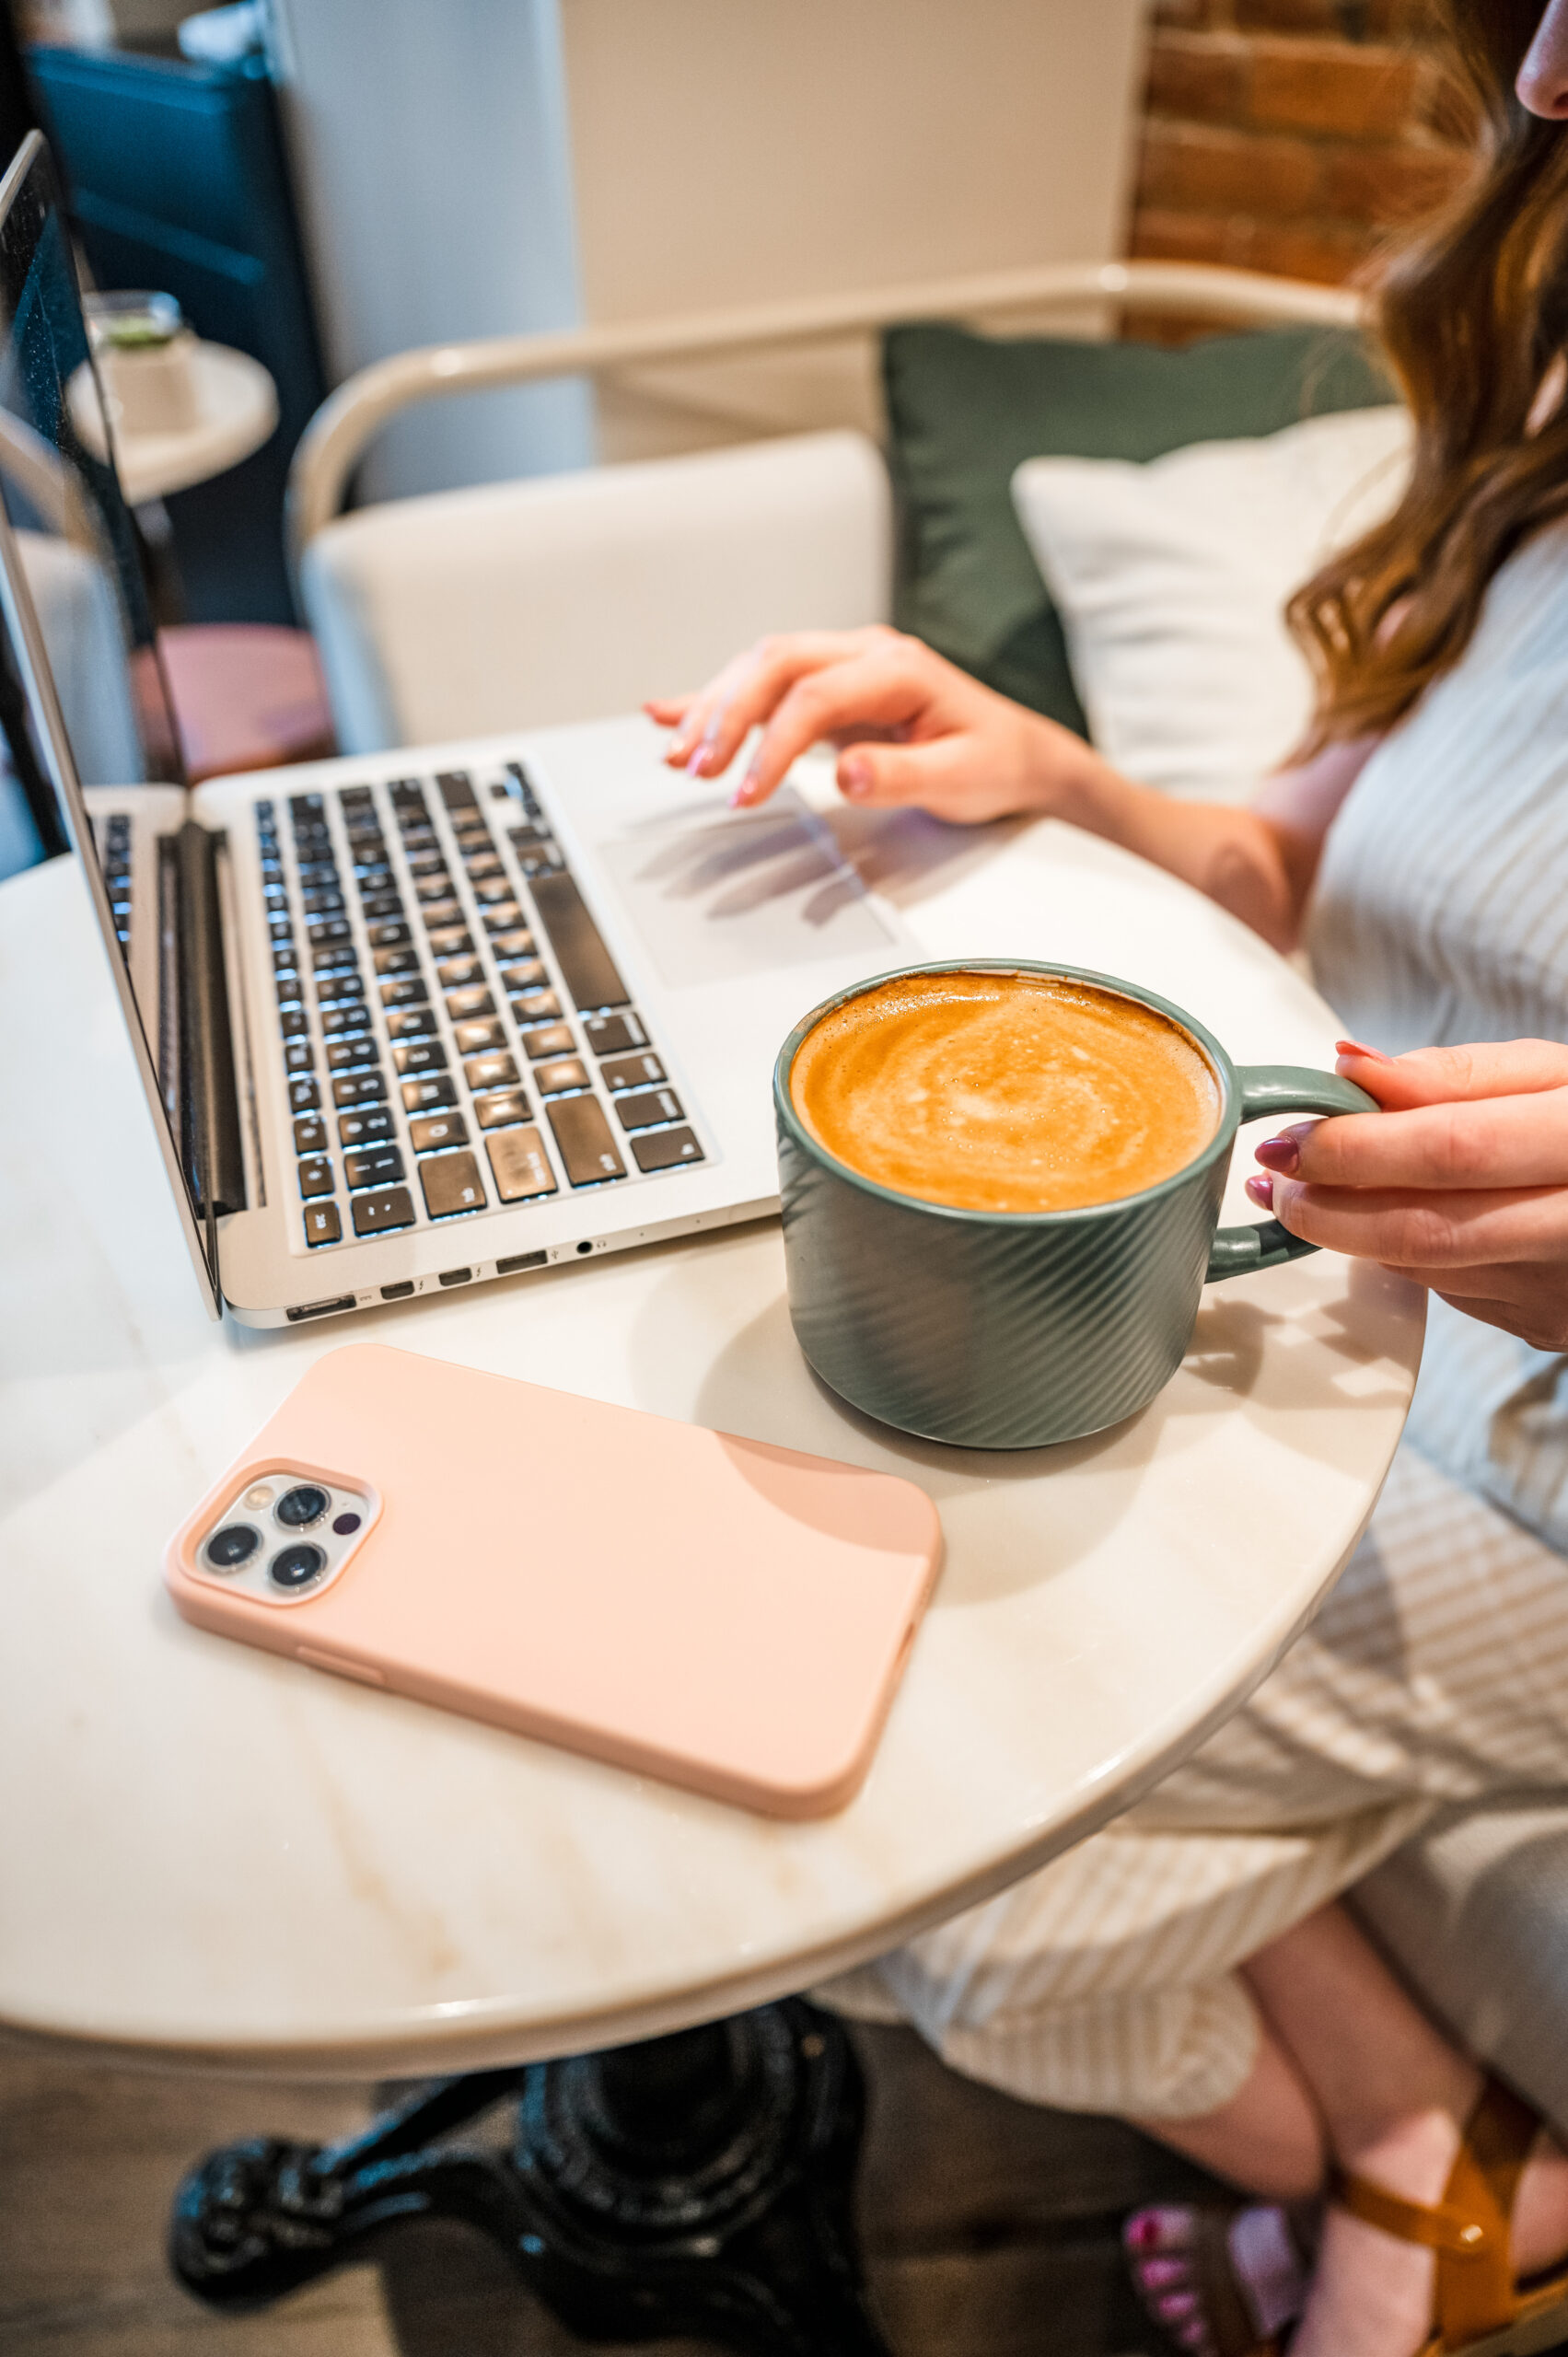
column 349, row 420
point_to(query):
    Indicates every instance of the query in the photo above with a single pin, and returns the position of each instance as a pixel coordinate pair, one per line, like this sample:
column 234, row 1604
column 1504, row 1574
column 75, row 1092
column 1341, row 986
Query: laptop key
column 610, row 1035
column 386, row 936
column 529, row 975
column 537, row 1007
column 442, row 912
column 304, row 1097
column 405, row 989
column 358, row 1088
column 366, row 1128
column 310, row 1134
column 323, row 1224
column 519, row 1165
column 332, row 987
column 586, row 966
column 411, row 1023
column 472, row 1038
column 316, row 1178
column 433, row 1130
column 387, row 1207
column 502, row 918
column 632, row 1072
column 489, row 1071
column 382, row 906
column 666, row 1149
column 452, row 1184
column 353, row 1015
column 642, row 1109
column 329, row 929
column 517, row 942
column 424, row 1096
column 482, row 862
column 462, row 1005
column 420, row 1055
column 501, row 1106
column 403, row 960
column 291, row 1023
column 343, row 1056
column 491, row 889
column 550, row 1040
column 560, row 1071
column 450, row 941
column 453, row 972
column 374, row 1165
column 583, row 1135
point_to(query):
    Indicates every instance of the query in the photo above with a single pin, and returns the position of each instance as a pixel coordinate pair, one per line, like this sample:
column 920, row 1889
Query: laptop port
column 518, row 1261
column 318, row 1308
column 399, row 1291
column 454, row 1277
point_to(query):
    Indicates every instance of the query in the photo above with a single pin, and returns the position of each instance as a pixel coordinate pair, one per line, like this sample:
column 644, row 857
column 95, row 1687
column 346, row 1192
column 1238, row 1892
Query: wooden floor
column 989, row 2226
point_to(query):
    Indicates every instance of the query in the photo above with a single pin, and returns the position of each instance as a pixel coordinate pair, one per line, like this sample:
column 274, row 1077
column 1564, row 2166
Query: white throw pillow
column 1171, row 580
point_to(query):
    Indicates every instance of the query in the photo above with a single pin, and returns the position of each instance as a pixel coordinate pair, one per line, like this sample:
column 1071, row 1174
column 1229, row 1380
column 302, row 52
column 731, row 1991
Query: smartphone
column 723, row 1614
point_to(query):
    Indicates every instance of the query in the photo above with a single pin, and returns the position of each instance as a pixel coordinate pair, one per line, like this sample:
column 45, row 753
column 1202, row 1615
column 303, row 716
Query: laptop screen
column 82, row 695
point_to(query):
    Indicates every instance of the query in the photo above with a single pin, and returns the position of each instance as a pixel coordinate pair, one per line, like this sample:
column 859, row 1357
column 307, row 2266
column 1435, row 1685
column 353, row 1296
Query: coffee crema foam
column 1004, row 1092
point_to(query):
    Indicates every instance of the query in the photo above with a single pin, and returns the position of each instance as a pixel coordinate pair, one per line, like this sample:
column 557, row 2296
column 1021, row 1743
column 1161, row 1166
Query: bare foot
column 1216, row 2282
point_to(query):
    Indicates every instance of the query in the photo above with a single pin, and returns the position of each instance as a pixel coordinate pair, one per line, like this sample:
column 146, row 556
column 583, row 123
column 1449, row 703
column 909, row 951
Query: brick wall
column 1286, row 135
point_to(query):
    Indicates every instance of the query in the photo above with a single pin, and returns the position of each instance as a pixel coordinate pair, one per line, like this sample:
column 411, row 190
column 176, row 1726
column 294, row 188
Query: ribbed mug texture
column 995, row 1329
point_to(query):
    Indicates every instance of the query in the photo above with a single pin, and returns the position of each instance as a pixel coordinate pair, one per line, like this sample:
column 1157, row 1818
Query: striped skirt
column 1437, row 1672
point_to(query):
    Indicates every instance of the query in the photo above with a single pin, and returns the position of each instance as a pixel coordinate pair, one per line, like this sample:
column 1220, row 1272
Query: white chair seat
column 575, row 597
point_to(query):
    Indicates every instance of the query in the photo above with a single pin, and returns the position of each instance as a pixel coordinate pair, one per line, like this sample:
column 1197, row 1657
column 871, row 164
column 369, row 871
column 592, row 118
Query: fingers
column 877, row 688
column 1425, row 1234
column 1489, row 1142
column 1439, row 1076
column 714, row 724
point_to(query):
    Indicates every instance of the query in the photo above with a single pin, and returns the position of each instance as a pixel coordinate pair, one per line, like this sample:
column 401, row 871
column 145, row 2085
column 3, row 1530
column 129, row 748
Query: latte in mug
column 1004, row 1092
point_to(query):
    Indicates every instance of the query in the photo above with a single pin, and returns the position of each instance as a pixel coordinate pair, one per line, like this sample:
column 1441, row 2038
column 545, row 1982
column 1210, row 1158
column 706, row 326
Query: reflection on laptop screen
column 74, row 537
column 82, row 697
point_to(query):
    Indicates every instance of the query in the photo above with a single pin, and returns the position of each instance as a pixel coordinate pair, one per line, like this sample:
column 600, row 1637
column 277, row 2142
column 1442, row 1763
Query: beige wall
column 730, row 150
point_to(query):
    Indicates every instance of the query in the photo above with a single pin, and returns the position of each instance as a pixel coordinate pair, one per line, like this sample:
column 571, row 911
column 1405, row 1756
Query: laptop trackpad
column 718, row 896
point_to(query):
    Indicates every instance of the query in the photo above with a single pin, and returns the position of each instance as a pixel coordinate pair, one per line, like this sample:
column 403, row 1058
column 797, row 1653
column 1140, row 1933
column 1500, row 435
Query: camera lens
column 233, row 1545
column 299, row 1507
column 298, row 1566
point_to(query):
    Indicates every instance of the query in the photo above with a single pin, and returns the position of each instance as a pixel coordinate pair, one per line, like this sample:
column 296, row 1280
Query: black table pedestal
column 701, row 2184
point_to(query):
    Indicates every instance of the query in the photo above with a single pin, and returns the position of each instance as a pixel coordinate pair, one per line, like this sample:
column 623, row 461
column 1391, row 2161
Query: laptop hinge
column 209, row 1100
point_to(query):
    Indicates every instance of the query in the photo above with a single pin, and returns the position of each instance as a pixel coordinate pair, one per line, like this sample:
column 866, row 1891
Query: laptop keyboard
column 455, row 1033
column 113, row 834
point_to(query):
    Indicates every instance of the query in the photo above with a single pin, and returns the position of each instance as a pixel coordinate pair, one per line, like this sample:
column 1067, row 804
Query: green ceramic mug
column 1010, row 1330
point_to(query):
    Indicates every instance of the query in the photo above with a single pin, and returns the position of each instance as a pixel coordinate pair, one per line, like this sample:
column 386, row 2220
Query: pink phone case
column 726, row 1614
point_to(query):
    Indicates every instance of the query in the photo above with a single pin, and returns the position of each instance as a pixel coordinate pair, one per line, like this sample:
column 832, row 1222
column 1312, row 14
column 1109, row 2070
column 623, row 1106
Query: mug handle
column 1279, row 1088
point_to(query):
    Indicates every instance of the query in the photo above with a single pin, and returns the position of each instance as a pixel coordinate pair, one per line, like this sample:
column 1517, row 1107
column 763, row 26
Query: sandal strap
column 1469, row 2229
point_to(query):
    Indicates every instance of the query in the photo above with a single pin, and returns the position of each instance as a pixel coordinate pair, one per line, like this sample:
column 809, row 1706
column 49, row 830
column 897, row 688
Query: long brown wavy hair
column 1473, row 315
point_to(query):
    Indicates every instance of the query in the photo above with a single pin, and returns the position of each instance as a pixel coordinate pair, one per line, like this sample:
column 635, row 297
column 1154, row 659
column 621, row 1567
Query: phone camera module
column 235, row 1544
column 298, row 1566
column 303, row 1506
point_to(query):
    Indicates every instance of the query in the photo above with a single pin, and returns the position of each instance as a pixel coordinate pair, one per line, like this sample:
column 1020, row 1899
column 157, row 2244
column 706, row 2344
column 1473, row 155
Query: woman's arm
column 913, row 729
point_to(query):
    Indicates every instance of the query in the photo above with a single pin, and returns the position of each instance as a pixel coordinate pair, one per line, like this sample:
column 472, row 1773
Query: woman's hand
column 1461, row 1182
column 913, row 728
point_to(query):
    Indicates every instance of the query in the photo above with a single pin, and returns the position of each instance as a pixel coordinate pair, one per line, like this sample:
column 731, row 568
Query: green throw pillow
column 964, row 409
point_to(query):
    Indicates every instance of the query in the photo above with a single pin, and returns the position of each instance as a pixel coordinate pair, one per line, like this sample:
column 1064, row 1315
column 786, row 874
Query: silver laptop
column 412, row 1021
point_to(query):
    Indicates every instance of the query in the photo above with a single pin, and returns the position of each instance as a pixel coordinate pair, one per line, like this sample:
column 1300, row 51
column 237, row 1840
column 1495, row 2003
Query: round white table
column 237, row 408
column 208, row 1853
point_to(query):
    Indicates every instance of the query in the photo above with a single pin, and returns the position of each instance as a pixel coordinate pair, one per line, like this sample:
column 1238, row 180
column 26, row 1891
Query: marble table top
column 210, row 1854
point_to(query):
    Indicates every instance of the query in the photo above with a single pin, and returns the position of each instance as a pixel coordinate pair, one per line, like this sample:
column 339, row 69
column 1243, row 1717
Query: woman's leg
column 1393, row 2096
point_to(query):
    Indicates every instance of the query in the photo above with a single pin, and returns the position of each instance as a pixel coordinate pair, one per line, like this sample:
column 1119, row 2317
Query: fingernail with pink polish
column 855, row 779
column 1262, row 1190
column 743, row 791
column 1359, row 1048
column 1278, row 1154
